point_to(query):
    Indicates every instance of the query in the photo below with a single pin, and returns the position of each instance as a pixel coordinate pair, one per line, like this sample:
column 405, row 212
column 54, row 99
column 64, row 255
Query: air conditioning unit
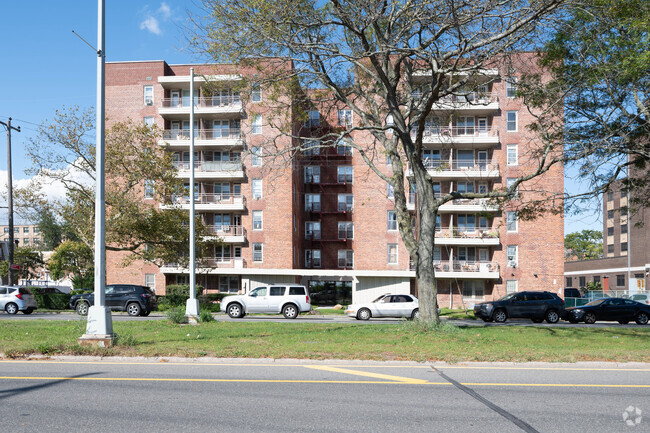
column 512, row 263
column 148, row 102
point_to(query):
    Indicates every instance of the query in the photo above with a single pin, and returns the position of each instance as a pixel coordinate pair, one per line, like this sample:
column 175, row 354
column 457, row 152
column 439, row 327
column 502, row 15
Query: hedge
column 50, row 301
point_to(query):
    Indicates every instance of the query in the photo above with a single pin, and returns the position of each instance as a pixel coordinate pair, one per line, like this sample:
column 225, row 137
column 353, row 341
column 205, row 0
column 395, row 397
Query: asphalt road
column 127, row 395
column 304, row 318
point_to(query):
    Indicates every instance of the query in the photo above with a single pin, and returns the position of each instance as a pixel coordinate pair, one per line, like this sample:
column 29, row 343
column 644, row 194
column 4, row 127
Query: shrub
column 50, row 301
column 176, row 315
column 205, row 317
column 177, row 294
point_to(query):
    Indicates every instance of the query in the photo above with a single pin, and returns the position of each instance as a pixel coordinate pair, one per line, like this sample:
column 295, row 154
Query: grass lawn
column 406, row 341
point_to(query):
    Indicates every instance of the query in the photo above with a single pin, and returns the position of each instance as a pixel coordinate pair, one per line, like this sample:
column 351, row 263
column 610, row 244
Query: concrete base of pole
column 192, row 308
column 99, row 321
column 96, row 340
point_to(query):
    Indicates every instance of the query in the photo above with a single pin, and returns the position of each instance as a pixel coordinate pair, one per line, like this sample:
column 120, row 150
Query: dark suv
column 135, row 300
column 536, row 306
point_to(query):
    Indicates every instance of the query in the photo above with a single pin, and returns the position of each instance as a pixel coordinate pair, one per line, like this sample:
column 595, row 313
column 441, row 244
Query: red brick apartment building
column 325, row 220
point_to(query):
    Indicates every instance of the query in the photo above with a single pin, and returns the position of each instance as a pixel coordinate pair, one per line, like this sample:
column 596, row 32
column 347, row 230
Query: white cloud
column 165, row 11
column 151, row 24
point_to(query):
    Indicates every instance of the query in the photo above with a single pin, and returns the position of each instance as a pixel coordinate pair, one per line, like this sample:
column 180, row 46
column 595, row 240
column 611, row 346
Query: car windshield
column 508, row 296
column 596, row 302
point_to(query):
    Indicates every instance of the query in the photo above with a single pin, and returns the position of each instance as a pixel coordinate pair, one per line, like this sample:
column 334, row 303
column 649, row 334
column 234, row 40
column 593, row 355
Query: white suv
column 14, row 299
column 288, row 299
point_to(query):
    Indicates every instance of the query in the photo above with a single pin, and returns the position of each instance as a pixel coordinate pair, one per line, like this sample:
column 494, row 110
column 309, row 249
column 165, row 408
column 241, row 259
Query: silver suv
column 14, row 299
column 288, row 299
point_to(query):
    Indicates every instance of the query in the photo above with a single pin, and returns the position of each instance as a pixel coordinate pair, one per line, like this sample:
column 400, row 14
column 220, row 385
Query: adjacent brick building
column 325, row 219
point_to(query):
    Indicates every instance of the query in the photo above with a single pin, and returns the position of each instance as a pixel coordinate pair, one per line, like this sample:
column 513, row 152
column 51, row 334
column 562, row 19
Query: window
column 257, row 252
column 312, row 230
column 25, row 229
column 346, row 258
column 511, row 286
column 344, row 147
column 36, row 229
column 26, row 241
column 150, row 281
column 569, row 282
column 392, row 254
column 466, row 223
column 277, row 290
column 610, row 249
column 228, row 284
column 623, row 247
column 473, row 289
column 582, row 281
column 596, row 279
column 257, row 220
column 511, row 87
column 222, row 253
column 148, row 95
column 610, row 231
column 312, row 202
column 311, row 147
column 392, row 220
column 221, row 129
column 37, row 241
column 390, row 192
column 149, row 190
column 148, row 121
column 620, row 281
column 6, row 229
column 312, row 174
column 312, row 259
column 610, row 214
column 511, row 181
column 346, row 230
column 345, row 202
column 511, row 118
column 345, row 173
column 511, row 221
column 16, row 230
column 256, row 156
column 345, row 117
column 623, row 228
column 511, row 255
column 257, row 189
column 512, row 154
column 390, row 120
column 610, row 195
column 256, row 92
column 313, row 119
column 256, row 124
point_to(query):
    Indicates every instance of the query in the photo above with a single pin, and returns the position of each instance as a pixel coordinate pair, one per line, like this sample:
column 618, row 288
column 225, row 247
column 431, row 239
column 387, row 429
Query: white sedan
column 385, row 306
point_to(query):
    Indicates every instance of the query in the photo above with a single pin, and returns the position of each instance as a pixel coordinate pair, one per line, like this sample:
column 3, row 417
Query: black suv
column 135, row 300
column 536, row 306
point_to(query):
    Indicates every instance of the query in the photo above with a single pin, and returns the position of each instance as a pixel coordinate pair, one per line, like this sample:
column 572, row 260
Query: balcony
column 179, row 108
column 474, row 101
column 459, row 135
column 460, row 169
column 228, row 233
column 461, row 236
column 223, row 202
column 210, row 169
column 206, row 265
column 460, row 205
column 206, row 138
column 464, row 269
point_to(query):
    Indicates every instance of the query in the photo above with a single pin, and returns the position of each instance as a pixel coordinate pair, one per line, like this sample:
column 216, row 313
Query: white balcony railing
column 219, row 198
column 459, row 131
column 233, row 101
column 226, row 230
column 203, row 134
column 209, row 166
column 462, row 266
column 465, row 233
column 460, row 165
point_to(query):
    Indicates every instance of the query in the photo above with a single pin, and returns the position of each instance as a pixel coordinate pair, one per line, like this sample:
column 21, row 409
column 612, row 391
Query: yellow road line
column 367, row 374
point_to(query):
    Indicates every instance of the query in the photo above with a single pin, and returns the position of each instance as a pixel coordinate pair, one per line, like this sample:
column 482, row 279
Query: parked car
column 14, row 299
column 387, row 305
column 572, row 293
column 288, row 299
column 643, row 298
column 135, row 300
column 611, row 309
column 537, row 306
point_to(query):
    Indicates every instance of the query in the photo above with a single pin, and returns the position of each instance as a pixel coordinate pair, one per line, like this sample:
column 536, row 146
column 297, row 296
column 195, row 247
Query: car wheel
column 641, row 319
column 415, row 314
column 290, row 311
column 82, row 308
column 133, row 309
column 145, row 313
column 552, row 316
column 11, row 308
column 590, row 318
column 235, row 311
column 28, row 311
column 500, row 316
column 364, row 314
column 623, row 322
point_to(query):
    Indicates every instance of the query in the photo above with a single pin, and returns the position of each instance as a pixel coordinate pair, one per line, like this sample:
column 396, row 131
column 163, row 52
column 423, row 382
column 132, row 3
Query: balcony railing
column 203, row 102
column 472, row 98
column 460, row 165
column 459, row 131
column 213, row 262
column 202, row 134
column 465, row 233
column 219, row 198
column 226, row 230
column 208, row 166
column 461, row 266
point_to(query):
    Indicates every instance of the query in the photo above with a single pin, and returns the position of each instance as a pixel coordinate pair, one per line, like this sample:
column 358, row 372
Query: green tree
column 381, row 59
column 584, row 245
column 74, row 260
column 29, row 260
column 64, row 152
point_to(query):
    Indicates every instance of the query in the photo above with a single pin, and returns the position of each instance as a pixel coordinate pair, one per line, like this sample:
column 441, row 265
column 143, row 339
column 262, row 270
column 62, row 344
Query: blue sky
column 46, row 67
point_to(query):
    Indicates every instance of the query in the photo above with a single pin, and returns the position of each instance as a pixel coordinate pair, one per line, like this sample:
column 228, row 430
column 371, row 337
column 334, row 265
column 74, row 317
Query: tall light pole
column 192, row 304
column 10, row 200
column 99, row 328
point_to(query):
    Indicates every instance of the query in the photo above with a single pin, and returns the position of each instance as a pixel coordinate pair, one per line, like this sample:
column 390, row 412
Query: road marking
column 398, row 379
column 407, row 381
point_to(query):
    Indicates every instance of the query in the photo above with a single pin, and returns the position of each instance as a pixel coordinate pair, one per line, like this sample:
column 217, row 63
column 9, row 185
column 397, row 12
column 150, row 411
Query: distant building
column 24, row 234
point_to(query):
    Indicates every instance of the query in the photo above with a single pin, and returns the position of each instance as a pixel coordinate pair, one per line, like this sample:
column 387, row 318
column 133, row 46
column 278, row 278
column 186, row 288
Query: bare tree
column 395, row 60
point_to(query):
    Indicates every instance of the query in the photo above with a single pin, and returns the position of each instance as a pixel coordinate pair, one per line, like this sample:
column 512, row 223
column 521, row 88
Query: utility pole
column 10, row 201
